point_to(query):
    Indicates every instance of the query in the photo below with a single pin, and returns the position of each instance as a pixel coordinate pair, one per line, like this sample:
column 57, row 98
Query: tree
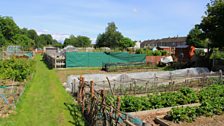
column 8, row 27
column 83, row 41
column 55, row 43
column 126, row 42
column 45, row 39
column 213, row 23
column 2, row 40
column 196, row 38
column 110, row 38
column 70, row 41
column 23, row 41
column 79, row 41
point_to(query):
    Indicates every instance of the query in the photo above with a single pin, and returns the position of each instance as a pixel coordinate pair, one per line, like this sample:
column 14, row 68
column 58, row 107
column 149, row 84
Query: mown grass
column 44, row 102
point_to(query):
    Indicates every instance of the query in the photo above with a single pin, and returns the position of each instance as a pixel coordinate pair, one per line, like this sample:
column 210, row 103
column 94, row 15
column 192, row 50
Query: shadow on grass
column 46, row 64
column 75, row 112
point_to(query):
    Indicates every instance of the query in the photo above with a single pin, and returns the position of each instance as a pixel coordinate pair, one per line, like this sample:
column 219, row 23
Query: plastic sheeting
column 101, row 81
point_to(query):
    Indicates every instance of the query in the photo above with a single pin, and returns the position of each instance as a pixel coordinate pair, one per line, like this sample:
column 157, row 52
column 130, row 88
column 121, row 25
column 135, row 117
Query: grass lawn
column 44, row 102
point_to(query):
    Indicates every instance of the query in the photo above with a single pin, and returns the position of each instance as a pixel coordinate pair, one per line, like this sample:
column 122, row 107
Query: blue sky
column 136, row 19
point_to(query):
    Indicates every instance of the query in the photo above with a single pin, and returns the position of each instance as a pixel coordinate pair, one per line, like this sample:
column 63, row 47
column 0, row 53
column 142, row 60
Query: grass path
column 42, row 103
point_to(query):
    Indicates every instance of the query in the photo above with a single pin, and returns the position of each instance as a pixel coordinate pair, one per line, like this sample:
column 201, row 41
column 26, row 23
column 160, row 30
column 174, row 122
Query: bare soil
column 217, row 120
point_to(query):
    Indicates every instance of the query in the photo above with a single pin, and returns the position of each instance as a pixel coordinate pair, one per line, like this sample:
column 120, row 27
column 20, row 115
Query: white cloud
column 60, row 37
column 57, row 36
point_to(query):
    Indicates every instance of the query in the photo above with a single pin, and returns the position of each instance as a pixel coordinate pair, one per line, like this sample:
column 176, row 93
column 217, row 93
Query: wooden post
column 73, row 87
column 79, row 90
column 146, row 87
column 110, row 86
column 120, row 90
column 171, row 77
column 134, row 86
column 117, row 115
column 220, row 75
column 103, row 103
column 92, row 88
column 155, row 82
column 111, row 115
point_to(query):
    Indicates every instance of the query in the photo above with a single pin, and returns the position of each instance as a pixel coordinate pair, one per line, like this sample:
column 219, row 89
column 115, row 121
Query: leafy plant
column 16, row 69
column 187, row 114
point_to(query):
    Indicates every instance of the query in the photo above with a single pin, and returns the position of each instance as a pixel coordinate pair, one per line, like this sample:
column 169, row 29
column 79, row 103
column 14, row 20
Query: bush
column 140, row 51
column 16, row 69
column 157, row 53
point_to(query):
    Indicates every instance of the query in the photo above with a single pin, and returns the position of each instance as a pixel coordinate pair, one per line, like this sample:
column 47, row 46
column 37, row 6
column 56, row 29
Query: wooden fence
column 98, row 111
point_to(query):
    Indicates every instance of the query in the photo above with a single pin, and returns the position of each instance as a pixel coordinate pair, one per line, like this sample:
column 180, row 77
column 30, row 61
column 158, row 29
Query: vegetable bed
column 168, row 99
column 212, row 103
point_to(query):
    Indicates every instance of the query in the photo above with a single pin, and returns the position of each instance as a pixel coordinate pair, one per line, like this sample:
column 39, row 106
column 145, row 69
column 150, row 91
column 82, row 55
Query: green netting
column 97, row 59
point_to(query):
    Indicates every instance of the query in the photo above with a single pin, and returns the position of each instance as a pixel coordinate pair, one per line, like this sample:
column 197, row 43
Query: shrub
column 16, row 69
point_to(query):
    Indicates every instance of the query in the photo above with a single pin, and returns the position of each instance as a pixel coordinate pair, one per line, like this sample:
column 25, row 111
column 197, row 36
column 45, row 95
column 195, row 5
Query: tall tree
column 197, row 38
column 110, row 38
column 213, row 23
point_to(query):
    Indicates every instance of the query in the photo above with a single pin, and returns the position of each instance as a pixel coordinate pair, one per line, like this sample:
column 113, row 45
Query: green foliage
column 216, row 54
column 16, row 69
column 125, row 43
column 163, row 52
column 213, row 23
column 45, row 102
column 140, row 51
column 156, row 53
column 2, row 40
column 11, row 34
column 113, row 38
column 212, row 103
column 199, row 52
column 79, row 41
column 23, row 40
column 187, row 114
column 196, row 38
column 184, row 96
column 149, row 52
column 8, row 27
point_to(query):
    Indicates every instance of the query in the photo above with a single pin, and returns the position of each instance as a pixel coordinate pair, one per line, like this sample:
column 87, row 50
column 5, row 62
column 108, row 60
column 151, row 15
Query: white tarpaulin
column 100, row 79
column 168, row 59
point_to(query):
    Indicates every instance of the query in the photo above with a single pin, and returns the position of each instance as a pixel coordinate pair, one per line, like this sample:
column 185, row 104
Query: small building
column 184, row 53
column 50, row 49
column 137, row 45
column 69, row 48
